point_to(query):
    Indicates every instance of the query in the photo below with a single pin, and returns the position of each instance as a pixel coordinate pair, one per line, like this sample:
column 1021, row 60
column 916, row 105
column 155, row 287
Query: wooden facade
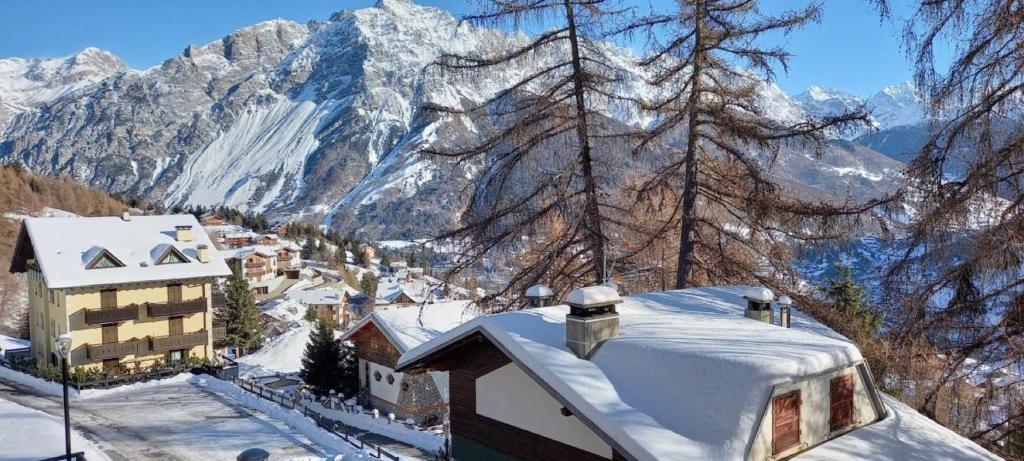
column 477, row 437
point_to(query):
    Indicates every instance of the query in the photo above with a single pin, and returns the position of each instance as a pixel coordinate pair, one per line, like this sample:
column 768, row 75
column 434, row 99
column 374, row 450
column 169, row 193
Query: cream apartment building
column 130, row 290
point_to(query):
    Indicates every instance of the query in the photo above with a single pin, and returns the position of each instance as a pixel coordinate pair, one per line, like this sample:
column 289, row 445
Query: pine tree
column 245, row 326
column 849, row 298
column 368, row 285
column 321, row 361
column 348, row 382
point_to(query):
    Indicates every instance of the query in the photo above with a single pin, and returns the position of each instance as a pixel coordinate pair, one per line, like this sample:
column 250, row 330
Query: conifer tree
column 734, row 221
column 321, row 361
column 348, row 381
column 849, row 298
column 368, row 285
column 245, row 327
column 542, row 154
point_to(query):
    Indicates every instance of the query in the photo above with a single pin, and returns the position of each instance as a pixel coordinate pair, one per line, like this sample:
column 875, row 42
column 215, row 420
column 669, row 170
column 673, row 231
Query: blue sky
column 851, row 49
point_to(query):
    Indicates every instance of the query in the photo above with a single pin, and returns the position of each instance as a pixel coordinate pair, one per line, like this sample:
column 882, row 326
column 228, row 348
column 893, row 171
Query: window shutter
column 785, row 422
column 841, row 402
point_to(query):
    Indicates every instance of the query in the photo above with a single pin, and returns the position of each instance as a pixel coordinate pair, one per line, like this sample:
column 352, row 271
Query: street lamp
column 63, row 343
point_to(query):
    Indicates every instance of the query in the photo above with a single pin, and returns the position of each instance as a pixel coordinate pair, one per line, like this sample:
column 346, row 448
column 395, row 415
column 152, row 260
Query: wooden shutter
column 110, row 364
column 174, row 293
column 110, row 333
column 108, row 298
column 176, row 326
column 841, row 398
column 785, row 422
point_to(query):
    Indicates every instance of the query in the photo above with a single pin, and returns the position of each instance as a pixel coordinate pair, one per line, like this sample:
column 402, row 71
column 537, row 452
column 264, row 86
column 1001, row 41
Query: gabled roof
column 318, row 296
column 686, row 378
column 408, row 327
column 64, row 247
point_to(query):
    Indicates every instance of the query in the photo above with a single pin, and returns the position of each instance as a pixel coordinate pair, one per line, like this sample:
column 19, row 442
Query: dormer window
column 103, row 259
column 171, row 255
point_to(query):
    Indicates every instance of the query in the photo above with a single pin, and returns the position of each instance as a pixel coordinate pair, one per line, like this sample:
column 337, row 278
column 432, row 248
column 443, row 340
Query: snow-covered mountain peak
column 897, row 105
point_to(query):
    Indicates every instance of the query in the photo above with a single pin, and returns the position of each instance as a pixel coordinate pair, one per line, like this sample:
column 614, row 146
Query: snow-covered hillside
column 321, row 119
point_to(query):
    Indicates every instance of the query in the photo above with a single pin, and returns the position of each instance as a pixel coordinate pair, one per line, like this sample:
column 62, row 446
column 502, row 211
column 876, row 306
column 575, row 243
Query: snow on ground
column 281, row 354
column 905, row 435
column 292, row 418
column 55, row 388
column 46, row 212
column 425, row 440
column 29, row 434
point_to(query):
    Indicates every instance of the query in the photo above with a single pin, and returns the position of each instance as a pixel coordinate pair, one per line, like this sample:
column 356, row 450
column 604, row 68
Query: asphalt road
column 176, row 421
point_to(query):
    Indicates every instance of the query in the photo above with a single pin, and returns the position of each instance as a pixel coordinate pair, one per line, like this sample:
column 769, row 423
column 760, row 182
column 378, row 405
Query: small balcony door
column 176, row 326
column 109, row 333
column 174, row 293
column 108, row 298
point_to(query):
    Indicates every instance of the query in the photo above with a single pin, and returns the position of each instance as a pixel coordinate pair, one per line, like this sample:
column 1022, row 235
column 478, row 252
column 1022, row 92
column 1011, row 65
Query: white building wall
column 381, row 389
column 815, row 411
column 510, row 396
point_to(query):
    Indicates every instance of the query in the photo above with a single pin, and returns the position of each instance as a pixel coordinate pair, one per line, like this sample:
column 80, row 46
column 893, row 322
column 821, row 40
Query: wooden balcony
column 219, row 332
column 255, row 273
column 255, row 265
column 116, row 350
column 168, row 309
column 111, row 314
column 170, row 343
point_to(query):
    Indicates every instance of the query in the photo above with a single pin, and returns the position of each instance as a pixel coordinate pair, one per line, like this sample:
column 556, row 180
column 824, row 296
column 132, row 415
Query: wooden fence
column 335, row 427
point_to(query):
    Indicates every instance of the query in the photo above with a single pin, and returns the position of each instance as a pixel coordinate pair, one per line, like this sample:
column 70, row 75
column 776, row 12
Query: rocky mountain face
column 322, row 121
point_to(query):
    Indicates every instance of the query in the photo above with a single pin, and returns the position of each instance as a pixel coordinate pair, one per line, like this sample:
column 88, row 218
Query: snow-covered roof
column 242, row 252
column 8, row 343
column 408, row 327
column 318, row 296
column 905, row 435
column 630, row 387
column 64, row 246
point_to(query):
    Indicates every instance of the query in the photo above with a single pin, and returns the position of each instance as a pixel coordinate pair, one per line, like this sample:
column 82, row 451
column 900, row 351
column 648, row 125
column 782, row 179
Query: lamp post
column 63, row 343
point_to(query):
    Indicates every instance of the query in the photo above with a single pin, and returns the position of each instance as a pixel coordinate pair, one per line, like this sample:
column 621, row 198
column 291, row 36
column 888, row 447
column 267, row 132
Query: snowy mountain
column 896, row 106
column 319, row 120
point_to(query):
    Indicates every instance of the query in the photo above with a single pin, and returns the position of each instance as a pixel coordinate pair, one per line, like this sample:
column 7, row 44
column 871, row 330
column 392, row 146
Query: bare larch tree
column 735, row 221
column 960, row 283
column 541, row 177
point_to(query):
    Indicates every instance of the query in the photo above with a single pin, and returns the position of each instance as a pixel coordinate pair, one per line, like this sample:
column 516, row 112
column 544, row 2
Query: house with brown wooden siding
column 130, row 290
column 689, row 374
column 382, row 337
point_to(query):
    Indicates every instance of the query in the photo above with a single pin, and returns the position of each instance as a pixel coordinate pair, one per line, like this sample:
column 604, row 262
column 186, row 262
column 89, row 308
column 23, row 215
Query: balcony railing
column 255, row 273
column 168, row 343
column 176, row 308
column 219, row 332
column 111, row 314
column 254, row 265
column 117, row 350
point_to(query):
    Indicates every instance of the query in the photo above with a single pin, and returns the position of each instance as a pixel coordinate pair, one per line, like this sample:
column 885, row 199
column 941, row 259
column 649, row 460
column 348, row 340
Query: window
column 405, row 386
column 108, row 298
column 171, row 255
column 174, row 356
column 391, row 379
column 785, row 422
column 841, row 402
column 376, row 376
column 102, row 260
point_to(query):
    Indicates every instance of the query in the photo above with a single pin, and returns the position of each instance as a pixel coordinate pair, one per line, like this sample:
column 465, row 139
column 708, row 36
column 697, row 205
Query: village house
column 238, row 239
column 131, row 290
column 382, row 337
column 211, row 218
column 689, row 374
column 331, row 304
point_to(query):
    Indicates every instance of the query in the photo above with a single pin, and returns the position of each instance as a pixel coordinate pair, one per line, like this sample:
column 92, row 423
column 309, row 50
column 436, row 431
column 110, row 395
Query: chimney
column 539, row 295
column 592, row 319
column 203, row 253
column 784, row 310
column 183, row 233
column 126, row 215
column 759, row 304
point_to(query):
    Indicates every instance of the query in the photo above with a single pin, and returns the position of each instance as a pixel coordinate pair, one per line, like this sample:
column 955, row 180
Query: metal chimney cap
column 759, row 294
column 785, row 301
column 599, row 295
column 539, row 291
